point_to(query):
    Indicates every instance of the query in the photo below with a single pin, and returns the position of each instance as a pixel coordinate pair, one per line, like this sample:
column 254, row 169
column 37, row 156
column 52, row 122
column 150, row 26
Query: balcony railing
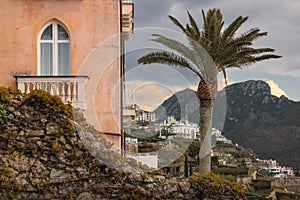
column 71, row 89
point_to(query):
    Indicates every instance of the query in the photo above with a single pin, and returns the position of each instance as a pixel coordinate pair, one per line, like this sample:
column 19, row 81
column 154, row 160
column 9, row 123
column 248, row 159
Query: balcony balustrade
column 71, row 89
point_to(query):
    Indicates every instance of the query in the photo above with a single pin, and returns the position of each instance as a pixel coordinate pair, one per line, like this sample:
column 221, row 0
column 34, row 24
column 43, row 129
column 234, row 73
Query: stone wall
column 43, row 155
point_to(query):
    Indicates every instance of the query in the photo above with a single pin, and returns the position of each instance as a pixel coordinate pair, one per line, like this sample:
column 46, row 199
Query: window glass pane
column 62, row 33
column 64, row 59
column 46, row 59
column 47, row 34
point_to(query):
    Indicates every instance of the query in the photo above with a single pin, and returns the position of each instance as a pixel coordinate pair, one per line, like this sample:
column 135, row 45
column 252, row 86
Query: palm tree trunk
column 207, row 92
column 206, row 107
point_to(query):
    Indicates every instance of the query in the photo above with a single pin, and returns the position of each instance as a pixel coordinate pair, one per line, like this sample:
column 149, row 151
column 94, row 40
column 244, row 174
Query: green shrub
column 226, row 170
column 261, row 184
column 7, row 93
column 3, row 114
column 42, row 98
column 52, row 107
column 211, row 185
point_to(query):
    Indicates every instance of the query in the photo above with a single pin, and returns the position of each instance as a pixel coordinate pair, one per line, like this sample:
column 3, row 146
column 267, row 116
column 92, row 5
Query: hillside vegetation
column 43, row 155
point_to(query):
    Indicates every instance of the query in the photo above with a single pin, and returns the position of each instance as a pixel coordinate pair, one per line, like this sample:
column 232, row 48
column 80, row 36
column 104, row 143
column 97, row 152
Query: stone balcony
column 127, row 18
column 71, row 89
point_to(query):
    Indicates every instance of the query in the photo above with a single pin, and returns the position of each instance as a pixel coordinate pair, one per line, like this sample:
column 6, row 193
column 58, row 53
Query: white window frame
column 54, row 42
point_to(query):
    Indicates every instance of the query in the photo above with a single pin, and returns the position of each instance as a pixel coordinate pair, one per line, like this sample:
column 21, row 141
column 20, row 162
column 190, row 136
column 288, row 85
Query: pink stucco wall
column 90, row 23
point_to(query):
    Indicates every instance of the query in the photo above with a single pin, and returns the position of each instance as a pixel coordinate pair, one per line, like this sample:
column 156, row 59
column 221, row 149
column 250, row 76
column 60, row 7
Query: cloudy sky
column 151, row 84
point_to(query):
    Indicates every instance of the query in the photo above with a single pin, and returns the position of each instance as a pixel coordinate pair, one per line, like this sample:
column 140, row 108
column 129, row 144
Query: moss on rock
column 47, row 154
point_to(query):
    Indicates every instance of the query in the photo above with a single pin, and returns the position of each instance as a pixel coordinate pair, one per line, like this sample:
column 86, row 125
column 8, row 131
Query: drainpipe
column 122, row 72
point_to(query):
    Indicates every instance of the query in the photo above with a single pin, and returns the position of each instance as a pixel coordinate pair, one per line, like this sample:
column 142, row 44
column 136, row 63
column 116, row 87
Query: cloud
column 278, row 18
column 275, row 89
column 149, row 95
column 221, row 83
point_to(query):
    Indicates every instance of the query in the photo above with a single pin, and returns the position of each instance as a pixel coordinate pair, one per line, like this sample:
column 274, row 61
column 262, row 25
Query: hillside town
column 228, row 157
column 144, row 121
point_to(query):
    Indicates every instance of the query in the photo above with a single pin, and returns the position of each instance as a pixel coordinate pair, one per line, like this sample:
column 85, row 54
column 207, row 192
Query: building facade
column 182, row 128
column 71, row 48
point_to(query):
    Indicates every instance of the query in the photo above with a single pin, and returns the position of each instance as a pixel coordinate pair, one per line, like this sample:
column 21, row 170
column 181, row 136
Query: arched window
column 54, row 50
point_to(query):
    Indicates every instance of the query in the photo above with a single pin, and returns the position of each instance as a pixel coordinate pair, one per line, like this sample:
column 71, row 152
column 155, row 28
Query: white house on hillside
column 217, row 135
column 182, row 128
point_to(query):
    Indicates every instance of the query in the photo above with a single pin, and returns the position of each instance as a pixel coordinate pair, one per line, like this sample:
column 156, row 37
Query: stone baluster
column 75, row 91
column 27, row 90
column 52, row 86
column 33, row 86
column 42, row 86
column 51, row 91
column 38, row 86
column 68, row 92
column 56, row 87
column 21, row 86
column 63, row 92
column 45, row 86
column 71, row 91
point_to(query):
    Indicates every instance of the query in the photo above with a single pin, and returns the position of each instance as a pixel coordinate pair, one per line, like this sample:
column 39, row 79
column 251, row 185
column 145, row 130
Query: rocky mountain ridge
column 250, row 115
column 179, row 105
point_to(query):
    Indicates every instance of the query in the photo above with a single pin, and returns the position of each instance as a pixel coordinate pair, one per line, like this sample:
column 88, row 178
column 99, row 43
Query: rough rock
column 46, row 153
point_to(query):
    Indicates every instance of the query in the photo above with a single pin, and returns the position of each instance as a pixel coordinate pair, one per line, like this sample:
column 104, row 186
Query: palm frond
column 255, row 59
column 249, row 56
column 194, row 26
column 214, row 23
column 203, row 57
column 251, row 35
column 211, row 49
column 230, row 31
column 185, row 51
column 168, row 58
column 177, row 23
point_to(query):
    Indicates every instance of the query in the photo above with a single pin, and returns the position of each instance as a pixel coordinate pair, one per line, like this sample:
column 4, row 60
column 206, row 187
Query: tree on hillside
column 211, row 50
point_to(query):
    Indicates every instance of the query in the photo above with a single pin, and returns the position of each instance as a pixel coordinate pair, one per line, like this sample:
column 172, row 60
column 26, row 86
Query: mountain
column 179, row 105
column 248, row 114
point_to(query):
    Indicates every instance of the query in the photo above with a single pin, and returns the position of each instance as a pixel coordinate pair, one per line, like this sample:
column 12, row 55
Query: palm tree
column 208, row 52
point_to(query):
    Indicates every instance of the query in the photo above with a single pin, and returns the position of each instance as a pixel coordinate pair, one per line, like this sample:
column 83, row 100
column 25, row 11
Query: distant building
column 288, row 171
column 129, row 117
column 278, row 171
column 139, row 114
column 218, row 137
column 145, row 116
column 182, row 128
column 131, row 145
